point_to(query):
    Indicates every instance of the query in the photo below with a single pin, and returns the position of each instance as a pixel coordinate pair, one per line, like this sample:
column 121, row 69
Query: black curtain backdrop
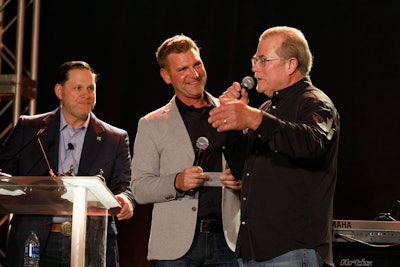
column 355, row 45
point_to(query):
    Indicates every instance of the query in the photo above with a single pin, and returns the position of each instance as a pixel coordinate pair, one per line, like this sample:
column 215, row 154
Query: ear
column 292, row 65
column 165, row 75
column 57, row 91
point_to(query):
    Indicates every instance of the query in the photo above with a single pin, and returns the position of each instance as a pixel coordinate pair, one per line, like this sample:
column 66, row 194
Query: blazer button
column 194, row 209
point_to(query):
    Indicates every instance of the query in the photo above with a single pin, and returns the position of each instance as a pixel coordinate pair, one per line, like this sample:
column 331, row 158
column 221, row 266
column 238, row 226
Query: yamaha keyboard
column 369, row 232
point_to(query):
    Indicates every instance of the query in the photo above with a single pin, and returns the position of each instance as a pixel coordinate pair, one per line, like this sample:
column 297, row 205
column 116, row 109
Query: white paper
column 214, row 179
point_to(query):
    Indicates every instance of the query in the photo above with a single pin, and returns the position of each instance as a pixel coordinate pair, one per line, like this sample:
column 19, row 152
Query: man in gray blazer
column 195, row 216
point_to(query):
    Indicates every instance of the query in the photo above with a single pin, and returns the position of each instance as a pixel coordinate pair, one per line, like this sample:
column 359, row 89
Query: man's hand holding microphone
column 234, row 112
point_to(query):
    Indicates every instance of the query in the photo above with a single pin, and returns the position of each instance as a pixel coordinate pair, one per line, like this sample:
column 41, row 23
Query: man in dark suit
column 76, row 142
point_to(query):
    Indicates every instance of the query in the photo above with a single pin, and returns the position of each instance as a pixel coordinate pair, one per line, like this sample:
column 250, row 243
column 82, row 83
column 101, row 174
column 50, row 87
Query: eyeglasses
column 263, row 60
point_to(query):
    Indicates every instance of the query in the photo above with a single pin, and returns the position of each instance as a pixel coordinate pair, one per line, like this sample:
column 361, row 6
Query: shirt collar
column 300, row 85
column 64, row 123
column 182, row 107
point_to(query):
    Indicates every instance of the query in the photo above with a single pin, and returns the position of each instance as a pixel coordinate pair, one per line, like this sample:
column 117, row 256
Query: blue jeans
column 208, row 249
column 58, row 251
column 295, row 258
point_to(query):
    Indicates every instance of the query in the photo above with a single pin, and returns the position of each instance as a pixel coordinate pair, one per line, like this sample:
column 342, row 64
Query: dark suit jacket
column 105, row 147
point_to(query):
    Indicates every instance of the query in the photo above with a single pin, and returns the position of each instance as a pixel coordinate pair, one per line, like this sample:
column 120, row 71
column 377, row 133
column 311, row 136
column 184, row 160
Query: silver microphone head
column 202, row 143
column 247, row 83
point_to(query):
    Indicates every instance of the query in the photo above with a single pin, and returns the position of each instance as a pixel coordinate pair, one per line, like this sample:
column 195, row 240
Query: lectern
column 79, row 196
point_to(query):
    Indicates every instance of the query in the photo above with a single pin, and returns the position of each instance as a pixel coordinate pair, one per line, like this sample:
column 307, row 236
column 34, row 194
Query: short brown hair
column 176, row 44
column 62, row 71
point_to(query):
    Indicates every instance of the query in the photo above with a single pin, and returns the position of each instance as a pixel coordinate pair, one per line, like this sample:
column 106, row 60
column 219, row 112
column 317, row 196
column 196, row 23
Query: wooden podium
column 79, row 196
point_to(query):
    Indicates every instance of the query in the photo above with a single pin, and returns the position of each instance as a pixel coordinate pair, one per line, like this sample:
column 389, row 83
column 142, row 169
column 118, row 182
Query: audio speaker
column 356, row 254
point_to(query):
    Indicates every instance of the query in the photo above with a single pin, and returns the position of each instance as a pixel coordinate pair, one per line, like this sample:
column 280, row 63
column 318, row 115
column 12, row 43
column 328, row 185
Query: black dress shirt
column 288, row 166
column 196, row 123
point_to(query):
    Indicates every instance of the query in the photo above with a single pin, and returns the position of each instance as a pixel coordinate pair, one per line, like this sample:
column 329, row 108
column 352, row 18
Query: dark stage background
column 355, row 45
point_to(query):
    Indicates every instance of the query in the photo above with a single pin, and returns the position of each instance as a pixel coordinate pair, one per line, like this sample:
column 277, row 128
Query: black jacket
column 105, row 147
column 289, row 169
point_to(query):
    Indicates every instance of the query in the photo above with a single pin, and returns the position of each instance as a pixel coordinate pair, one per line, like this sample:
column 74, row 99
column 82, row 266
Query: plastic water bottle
column 32, row 250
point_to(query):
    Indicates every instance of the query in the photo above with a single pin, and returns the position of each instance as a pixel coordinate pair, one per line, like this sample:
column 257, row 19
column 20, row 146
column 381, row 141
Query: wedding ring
column 224, row 121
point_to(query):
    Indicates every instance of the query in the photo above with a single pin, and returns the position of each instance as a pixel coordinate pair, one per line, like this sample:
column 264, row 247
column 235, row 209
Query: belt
column 210, row 226
column 64, row 228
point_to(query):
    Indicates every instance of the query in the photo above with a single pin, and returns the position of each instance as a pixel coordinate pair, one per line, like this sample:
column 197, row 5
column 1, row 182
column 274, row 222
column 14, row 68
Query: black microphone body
column 201, row 147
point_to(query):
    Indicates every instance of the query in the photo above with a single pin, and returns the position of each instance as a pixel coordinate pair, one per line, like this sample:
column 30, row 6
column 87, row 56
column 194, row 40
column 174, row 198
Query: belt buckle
column 205, row 226
column 66, row 228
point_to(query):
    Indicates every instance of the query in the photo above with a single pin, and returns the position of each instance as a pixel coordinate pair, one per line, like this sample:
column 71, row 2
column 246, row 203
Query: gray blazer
column 163, row 148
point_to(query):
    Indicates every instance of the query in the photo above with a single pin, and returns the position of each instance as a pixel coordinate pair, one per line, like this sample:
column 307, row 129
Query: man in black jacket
column 286, row 154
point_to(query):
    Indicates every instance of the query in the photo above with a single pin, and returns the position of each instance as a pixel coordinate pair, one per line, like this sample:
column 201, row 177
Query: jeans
column 58, row 251
column 208, row 249
column 295, row 258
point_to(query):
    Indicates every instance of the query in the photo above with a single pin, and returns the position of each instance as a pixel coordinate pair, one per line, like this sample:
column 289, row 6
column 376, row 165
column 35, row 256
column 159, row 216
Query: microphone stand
column 51, row 173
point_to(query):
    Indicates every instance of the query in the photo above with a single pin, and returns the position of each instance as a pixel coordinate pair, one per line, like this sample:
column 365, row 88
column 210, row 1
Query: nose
column 254, row 68
column 87, row 92
column 195, row 73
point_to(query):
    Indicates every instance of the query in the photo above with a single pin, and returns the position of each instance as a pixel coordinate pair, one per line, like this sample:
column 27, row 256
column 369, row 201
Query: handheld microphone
column 202, row 145
column 247, row 83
